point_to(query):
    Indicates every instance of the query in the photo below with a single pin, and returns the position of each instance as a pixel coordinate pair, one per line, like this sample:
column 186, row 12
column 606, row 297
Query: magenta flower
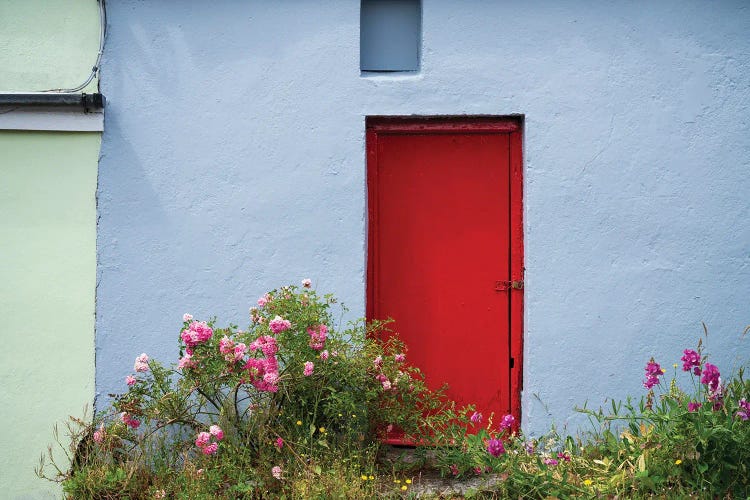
column 279, row 324
column 495, row 447
column 400, row 358
column 564, row 456
column 454, row 469
column 324, row 355
column 130, row 380
column 187, row 317
column 691, row 360
column 507, row 422
column 693, row 407
column 653, row 372
column 309, row 367
column 550, row 461
column 476, row 417
column 279, row 443
column 265, row 299
column 377, row 362
column 711, row 378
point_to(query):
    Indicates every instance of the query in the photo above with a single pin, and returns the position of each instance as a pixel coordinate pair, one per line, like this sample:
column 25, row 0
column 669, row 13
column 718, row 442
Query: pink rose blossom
column 216, row 432
column 265, row 343
column 130, row 380
column 476, row 417
column 196, row 333
column 378, row 362
column 309, row 367
column 141, row 363
column 186, row 361
column 400, row 358
column 276, row 472
column 131, row 422
column 99, row 434
column 386, row 385
column 265, row 299
column 307, row 282
column 324, row 355
column 203, row 439
column 210, row 449
column 226, row 345
column 187, row 317
column 454, row 469
column 318, row 336
column 239, row 351
column 279, row 324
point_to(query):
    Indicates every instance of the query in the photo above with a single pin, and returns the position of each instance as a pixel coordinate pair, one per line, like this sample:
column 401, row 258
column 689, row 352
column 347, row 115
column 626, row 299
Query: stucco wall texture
column 233, row 162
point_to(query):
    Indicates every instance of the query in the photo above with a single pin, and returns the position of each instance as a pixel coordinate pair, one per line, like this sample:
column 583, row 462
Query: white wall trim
column 19, row 117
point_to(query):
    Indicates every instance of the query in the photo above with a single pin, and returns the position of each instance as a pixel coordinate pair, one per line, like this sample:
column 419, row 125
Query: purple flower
column 693, row 406
column 744, row 412
column 563, row 456
column 495, row 447
column 550, row 461
column 507, row 422
column 476, row 417
column 691, row 360
column 529, row 446
column 653, row 372
column 711, row 378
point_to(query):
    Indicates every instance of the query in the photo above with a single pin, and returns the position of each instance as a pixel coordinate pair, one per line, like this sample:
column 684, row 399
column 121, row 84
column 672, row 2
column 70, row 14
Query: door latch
column 504, row 285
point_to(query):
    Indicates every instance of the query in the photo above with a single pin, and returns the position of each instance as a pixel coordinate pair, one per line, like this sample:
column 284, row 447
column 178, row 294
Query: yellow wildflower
column 322, row 430
column 664, row 370
column 364, row 477
column 677, row 462
column 587, row 482
column 397, row 481
column 371, row 478
column 408, row 481
column 299, row 422
column 404, row 488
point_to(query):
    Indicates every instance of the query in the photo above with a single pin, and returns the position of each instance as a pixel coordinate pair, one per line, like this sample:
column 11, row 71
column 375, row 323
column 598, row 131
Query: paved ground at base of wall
column 428, row 483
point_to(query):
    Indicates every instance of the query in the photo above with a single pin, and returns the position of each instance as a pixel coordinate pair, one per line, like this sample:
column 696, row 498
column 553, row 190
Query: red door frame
column 377, row 125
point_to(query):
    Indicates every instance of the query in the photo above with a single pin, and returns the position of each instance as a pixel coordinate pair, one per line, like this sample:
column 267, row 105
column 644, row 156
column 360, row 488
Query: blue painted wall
column 233, row 161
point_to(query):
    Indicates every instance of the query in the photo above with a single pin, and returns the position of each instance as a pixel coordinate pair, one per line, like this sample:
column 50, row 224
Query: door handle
column 505, row 285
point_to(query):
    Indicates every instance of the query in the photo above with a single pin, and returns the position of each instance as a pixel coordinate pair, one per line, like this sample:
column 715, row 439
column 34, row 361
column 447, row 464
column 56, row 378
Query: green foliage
column 285, row 429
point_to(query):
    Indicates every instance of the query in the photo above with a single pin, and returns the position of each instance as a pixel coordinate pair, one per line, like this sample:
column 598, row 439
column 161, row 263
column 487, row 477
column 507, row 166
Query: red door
column 445, row 248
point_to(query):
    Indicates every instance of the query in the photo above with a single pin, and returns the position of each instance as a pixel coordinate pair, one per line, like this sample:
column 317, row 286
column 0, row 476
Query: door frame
column 512, row 125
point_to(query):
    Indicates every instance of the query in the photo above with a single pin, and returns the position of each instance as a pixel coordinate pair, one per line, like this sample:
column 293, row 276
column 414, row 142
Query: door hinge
column 512, row 362
column 504, row 285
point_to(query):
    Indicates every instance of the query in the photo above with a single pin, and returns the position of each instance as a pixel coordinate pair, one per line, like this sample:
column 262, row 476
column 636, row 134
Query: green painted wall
column 47, row 44
column 48, row 249
column 48, row 270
